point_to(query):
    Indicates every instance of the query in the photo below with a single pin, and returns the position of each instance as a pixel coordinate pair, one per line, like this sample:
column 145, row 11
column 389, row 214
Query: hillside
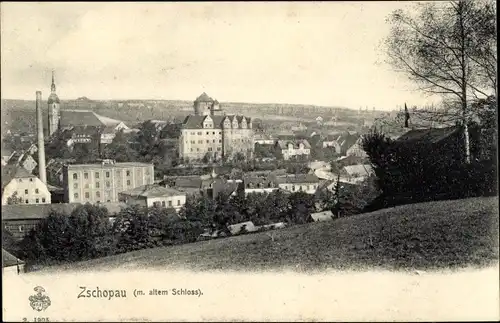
column 432, row 235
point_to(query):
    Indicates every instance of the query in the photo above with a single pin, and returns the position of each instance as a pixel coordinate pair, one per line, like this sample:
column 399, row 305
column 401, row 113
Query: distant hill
column 433, row 235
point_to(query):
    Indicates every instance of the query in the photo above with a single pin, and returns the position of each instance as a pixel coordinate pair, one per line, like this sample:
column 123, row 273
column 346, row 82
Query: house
column 11, row 265
column 21, row 218
column 19, row 186
column 154, row 195
column 23, row 159
column 322, row 216
column 258, row 185
column 247, row 226
column 294, row 148
column 357, row 149
column 346, row 141
column 332, row 141
column 307, row 183
column 356, row 173
column 6, row 155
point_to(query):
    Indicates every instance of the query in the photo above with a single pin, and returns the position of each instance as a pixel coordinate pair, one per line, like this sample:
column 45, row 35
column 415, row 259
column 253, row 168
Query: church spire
column 53, row 86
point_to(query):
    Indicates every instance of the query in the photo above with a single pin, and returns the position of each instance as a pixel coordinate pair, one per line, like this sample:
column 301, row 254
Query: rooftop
column 433, row 135
column 9, row 172
column 152, row 191
column 115, row 165
column 9, row 260
column 204, row 98
column 34, row 211
column 71, row 118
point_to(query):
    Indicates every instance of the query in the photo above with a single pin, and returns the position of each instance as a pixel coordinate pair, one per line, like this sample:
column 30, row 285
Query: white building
column 154, row 195
column 294, row 148
column 21, row 187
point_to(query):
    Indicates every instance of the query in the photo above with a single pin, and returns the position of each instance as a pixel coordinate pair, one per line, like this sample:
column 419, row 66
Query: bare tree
column 447, row 50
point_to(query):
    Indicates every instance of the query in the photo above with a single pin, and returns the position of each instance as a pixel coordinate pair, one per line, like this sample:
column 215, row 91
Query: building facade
column 21, row 187
column 154, row 195
column 307, row 183
column 294, row 149
column 210, row 135
column 356, row 150
column 96, row 183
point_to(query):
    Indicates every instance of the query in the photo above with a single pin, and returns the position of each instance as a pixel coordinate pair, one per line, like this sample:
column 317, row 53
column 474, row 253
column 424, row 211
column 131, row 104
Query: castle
column 211, row 135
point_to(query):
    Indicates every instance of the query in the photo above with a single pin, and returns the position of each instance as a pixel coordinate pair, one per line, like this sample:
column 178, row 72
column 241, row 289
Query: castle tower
column 203, row 105
column 54, row 109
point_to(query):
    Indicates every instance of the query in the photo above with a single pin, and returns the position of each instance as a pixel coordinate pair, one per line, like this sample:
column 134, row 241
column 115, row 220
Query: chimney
column 41, row 142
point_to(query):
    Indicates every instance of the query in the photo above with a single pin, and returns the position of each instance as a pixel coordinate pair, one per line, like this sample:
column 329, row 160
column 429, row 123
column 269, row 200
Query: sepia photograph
column 249, row 161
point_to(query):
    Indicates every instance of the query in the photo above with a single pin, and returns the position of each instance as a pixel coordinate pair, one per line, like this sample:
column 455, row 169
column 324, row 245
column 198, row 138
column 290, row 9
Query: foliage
column 85, row 234
column 407, row 172
column 449, row 50
column 14, row 199
column 119, row 149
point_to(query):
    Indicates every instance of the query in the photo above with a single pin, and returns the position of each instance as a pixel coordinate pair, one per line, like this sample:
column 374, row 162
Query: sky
column 320, row 53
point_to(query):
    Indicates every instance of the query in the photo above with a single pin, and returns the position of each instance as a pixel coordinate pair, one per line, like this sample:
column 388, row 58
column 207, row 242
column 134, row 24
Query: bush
column 418, row 171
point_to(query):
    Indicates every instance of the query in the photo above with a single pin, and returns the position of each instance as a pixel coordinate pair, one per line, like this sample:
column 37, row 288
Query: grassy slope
column 422, row 236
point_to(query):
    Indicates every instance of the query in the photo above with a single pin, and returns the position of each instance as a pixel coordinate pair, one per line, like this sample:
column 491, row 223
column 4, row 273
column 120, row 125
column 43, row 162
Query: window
column 108, row 201
column 20, row 228
column 75, row 195
column 86, row 185
column 128, row 182
column 107, row 174
column 118, row 172
column 87, row 195
column 191, row 149
column 36, row 191
column 31, row 179
column 75, row 186
column 293, row 188
column 169, row 203
column 207, row 131
column 86, row 175
column 213, row 141
column 197, row 149
column 37, row 201
column 108, row 184
column 220, row 140
column 209, row 149
column 27, row 201
column 97, row 185
column 308, row 187
column 220, row 132
column 199, row 133
column 200, row 141
column 26, row 192
column 75, row 176
column 163, row 203
column 218, row 149
column 178, row 202
column 96, row 175
column 97, row 194
column 208, row 141
column 128, row 173
column 43, row 199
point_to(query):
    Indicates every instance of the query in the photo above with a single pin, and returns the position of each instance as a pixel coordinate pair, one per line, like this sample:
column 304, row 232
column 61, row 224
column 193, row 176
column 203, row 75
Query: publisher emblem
column 39, row 302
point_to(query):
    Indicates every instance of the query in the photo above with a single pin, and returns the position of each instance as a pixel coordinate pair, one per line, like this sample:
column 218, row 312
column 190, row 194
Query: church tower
column 54, row 109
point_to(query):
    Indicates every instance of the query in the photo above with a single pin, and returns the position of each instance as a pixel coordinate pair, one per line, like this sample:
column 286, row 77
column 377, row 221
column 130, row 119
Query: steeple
column 53, row 86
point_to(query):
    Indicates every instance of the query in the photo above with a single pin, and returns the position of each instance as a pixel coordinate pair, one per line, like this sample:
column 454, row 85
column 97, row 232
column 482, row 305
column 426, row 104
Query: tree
column 119, row 149
column 14, row 199
column 439, row 50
